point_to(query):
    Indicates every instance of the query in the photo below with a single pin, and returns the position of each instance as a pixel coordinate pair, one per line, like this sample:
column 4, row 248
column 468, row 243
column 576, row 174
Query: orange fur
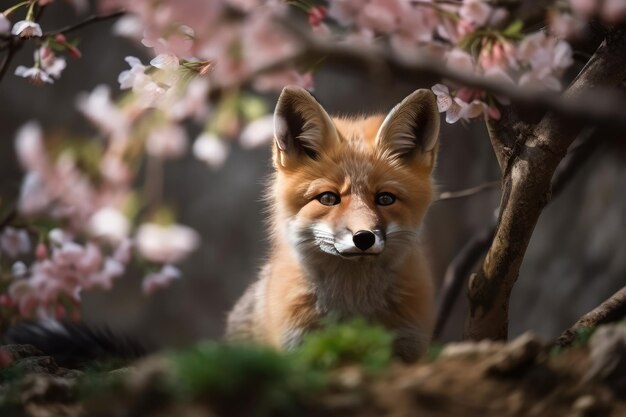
column 314, row 267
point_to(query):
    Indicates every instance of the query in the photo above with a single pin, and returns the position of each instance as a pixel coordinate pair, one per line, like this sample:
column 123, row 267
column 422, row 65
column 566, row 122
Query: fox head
column 352, row 189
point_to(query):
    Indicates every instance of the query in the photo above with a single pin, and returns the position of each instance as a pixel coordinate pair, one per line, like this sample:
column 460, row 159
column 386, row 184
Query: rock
column 38, row 365
column 18, row 352
column 470, row 350
column 516, row 357
column 42, row 389
column 608, row 357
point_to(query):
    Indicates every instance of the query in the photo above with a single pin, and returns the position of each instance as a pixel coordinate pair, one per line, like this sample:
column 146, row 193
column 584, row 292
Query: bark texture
column 528, row 157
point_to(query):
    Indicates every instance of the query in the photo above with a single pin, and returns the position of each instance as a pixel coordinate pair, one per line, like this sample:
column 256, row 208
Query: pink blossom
column 460, row 60
column 168, row 244
column 114, row 169
column 584, row 7
column 30, row 149
column 566, row 26
column 192, row 103
column 344, row 11
column 100, row 110
column 127, row 78
column 161, row 279
column 455, row 107
column 124, row 251
column 169, row 141
column 258, row 133
column 5, row 24
column 109, row 223
column 19, row 269
column 165, row 62
column 51, row 63
column 210, row 149
column 545, row 52
column 36, row 74
column 24, row 296
column 539, row 81
column 103, row 279
column 129, row 26
column 614, row 11
column 278, row 79
column 263, row 42
column 475, row 11
column 380, row 16
column 14, row 242
column 500, row 54
column 34, row 197
column 27, row 29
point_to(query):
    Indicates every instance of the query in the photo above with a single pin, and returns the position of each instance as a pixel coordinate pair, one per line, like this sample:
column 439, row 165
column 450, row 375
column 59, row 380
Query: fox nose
column 364, row 239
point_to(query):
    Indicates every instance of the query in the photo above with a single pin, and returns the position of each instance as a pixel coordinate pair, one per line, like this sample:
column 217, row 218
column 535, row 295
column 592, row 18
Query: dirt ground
column 524, row 377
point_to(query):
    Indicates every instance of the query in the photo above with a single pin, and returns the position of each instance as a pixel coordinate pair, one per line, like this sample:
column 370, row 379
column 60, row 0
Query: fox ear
column 301, row 126
column 411, row 128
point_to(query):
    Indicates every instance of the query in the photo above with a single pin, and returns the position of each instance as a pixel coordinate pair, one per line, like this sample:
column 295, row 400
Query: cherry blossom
column 5, row 24
column 258, row 133
column 109, row 223
column 100, row 109
column 167, row 244
column 30, row 149
column 210, row 149
column 161, row 279
column 169, row 141
column 14, row 242
column 51, row 63
column 36, row 74
column 127, row 78
column 27, row 29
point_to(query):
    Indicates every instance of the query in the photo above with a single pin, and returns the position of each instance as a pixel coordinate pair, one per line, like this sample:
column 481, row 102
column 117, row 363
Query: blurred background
column 577, row 256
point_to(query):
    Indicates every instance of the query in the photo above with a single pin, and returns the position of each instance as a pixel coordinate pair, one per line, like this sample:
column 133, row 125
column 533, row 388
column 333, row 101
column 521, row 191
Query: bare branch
column 612, row 309
column 457, row 272
column 14, row 47
column 86, row 22
column 453, row 195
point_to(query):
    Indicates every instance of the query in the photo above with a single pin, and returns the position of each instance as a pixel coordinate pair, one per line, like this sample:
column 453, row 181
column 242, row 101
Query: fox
column 347, row 199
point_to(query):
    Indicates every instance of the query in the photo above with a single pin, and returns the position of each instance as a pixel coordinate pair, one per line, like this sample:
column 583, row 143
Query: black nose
column 364, row 239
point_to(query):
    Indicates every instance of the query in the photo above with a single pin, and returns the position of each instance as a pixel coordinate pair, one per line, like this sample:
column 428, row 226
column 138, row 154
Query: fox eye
column 328, row 198
column 385, row 199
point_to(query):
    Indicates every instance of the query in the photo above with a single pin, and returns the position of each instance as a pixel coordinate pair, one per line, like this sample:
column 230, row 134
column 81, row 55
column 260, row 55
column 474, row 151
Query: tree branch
column 526, row 191
column 86, row 22
column 609, row 108
column 453, row 195
column 464, row 262
column 612, row 309
column 14, row 47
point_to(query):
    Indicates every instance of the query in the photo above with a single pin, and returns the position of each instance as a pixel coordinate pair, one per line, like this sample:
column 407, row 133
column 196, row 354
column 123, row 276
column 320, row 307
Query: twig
column 464, row 262
column 86, row 22
column 452, row 195
column 6, row 62
column 459, row 269
column 612, row 309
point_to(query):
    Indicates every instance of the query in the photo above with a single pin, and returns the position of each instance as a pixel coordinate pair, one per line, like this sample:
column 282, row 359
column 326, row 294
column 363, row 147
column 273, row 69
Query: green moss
column 237, row 379
column 434, row 351
column 353, row 342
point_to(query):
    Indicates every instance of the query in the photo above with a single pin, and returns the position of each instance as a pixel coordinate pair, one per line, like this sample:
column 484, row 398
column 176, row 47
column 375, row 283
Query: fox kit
column 347, row 200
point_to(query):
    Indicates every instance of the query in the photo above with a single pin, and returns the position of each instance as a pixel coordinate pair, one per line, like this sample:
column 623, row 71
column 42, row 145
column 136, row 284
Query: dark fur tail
column 75, row 345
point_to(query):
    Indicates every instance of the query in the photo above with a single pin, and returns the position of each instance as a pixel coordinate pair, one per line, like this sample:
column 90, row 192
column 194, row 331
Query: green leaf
column 514, row 29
